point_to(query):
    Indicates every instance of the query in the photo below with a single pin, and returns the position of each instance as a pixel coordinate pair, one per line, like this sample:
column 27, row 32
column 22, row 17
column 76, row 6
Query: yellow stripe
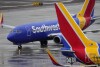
column 92, row 51
column 0, row 17
column 82, row 22
column 81, row 13
column 79, row 32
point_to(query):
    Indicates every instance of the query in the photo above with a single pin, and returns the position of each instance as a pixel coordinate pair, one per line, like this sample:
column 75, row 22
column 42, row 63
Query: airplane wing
column 62, row 50
column 8, row 26
column 54, row 34
column 4, row 25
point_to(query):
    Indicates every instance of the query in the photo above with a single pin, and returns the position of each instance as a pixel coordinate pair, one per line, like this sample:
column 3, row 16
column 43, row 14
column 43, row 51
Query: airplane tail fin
column 1, row 19
column 2, row 22
column 69, row 28
column 87, row 9
column 74, row 36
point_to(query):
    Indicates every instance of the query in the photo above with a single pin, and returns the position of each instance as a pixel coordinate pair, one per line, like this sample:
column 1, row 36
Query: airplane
column 48, row 30
column 77, row 47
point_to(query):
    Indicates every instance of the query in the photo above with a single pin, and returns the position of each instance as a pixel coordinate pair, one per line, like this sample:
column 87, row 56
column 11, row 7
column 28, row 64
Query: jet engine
column 58, row 39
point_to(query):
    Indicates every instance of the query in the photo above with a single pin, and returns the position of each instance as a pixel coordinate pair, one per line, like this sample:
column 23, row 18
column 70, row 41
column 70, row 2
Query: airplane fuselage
column 36, row 31
column 33, row 32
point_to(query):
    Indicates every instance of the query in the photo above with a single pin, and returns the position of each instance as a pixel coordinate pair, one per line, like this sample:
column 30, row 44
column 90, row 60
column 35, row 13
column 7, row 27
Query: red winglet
column 54, row 61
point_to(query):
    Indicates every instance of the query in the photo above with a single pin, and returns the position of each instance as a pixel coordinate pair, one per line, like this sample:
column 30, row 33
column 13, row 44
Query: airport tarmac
column 30, row 56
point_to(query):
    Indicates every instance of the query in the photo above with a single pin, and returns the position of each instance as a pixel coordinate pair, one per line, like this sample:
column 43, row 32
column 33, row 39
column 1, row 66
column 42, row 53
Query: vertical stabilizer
column 87, row 9
column 1, row 19
column 73, row 34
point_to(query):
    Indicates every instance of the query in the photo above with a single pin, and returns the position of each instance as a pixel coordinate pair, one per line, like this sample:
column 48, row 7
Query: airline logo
column 45, row 28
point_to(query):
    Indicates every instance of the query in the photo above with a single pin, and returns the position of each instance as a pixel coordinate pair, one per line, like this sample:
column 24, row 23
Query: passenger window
column 18, row 31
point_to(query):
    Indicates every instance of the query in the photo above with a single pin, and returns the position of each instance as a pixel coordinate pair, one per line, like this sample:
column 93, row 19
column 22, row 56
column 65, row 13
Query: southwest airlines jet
column 76, row 44
column 49, row 30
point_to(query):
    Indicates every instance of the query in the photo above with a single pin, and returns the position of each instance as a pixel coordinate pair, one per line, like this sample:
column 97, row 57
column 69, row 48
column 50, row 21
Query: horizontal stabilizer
column 62, row 50
column 93, row 31
column 96, row 18
column 68, row 51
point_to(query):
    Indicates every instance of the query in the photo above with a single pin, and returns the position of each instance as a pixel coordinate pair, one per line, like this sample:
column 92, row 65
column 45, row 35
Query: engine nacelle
column 58, row 39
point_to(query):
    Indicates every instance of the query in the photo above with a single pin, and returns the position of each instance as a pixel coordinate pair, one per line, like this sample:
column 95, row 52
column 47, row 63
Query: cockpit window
column 16, row 31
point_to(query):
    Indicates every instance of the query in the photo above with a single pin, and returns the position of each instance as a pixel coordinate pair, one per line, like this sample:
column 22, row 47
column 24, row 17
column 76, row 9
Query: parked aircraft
column 49, row 30
column 77, row 47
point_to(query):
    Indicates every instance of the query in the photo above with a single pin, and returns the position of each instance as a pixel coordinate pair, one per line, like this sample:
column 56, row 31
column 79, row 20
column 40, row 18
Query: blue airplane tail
column 92, row 14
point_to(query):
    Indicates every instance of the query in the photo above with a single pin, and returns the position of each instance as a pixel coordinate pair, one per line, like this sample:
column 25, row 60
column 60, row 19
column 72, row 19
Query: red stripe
column 88, row 12
column 2, row 20
column 71, row 36
column 87, row 23
column 89, row 8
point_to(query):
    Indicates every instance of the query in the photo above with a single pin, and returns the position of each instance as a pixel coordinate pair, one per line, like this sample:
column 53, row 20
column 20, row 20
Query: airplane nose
column 10, row 37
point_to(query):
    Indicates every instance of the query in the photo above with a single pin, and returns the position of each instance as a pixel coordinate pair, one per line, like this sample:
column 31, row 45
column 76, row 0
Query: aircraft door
column 28, row 29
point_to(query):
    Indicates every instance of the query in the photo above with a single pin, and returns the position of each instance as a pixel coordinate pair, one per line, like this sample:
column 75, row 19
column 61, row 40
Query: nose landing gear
column 19, row 47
